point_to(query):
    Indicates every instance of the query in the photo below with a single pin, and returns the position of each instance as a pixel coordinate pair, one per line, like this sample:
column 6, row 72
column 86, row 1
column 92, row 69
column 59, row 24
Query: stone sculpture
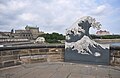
column 79, row 45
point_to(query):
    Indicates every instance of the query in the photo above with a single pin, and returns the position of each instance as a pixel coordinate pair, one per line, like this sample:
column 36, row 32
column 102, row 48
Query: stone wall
column 42, row 55
column 8, row 58
column 14, row 57
column 38, row 55
column 115, row 56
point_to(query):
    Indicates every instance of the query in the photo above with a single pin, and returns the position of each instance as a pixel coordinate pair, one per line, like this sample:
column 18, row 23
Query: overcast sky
column 58, row 15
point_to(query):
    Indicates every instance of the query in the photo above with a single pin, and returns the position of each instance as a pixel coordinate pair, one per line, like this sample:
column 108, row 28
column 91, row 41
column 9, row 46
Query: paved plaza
column 60, row 70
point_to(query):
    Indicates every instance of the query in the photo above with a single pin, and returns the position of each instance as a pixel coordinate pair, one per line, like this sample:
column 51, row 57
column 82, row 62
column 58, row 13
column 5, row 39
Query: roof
column 102, row 31
column 31, row 27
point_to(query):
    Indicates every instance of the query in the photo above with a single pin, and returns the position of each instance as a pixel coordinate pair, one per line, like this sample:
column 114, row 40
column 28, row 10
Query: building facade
column 101, row 32
column 24, row 34
column 3, row 35
column 30, row 33
column 34, row 30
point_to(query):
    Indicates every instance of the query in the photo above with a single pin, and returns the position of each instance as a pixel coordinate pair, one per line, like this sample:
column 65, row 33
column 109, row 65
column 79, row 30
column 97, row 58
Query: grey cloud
column 4, row 1
column 49, row 15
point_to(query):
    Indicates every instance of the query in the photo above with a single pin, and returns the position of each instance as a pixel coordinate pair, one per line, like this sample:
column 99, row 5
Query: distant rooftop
column 103, row 32
column 31, row 27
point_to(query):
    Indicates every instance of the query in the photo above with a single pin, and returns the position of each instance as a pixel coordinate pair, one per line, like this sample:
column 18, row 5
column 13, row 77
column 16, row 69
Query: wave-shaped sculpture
column 79, row 45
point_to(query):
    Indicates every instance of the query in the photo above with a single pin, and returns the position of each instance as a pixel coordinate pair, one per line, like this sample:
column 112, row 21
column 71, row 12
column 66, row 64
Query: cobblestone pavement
column 60, row 70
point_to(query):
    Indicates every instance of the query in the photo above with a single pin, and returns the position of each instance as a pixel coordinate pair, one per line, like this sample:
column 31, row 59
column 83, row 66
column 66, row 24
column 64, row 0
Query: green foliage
column 56, row 37
column 105, row 37
column 95, row 37
column 53, row 38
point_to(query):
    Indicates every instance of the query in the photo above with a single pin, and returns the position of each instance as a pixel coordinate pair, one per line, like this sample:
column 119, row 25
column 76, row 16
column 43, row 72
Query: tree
column 53, row 38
